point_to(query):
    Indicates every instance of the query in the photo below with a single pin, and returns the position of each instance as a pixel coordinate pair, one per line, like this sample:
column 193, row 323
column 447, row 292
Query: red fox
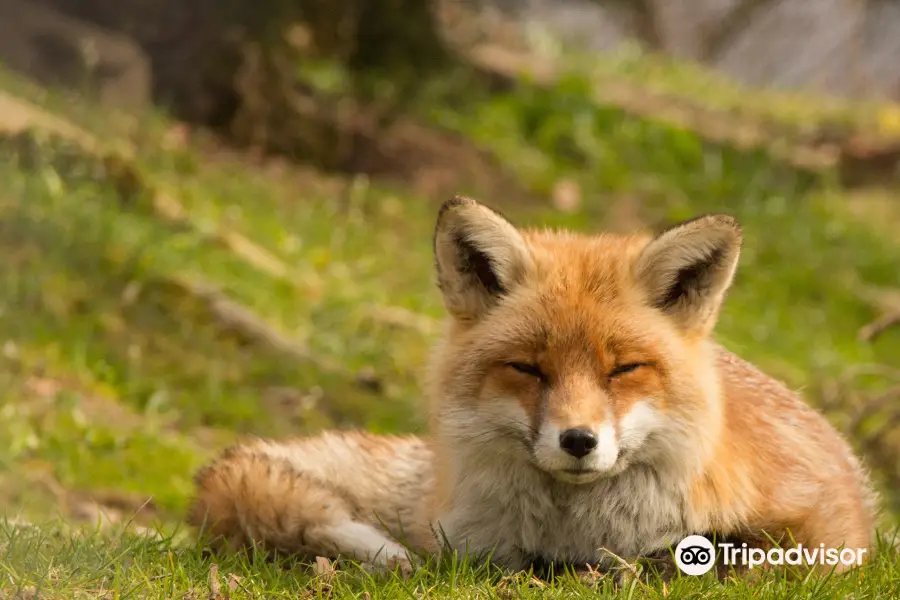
column 578, row 406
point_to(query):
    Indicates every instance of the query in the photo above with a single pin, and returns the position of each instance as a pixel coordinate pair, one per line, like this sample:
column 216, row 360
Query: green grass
column 792, row 111
column 63, row 438
column 90, row 250
column 114, row 380
column 53, row 562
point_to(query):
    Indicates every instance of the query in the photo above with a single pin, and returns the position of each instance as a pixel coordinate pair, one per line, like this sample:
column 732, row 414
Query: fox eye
column 527, row 369
column 626, row 368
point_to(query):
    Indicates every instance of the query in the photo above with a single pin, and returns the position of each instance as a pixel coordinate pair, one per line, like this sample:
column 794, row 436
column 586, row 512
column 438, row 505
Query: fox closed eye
column 527, row 369
column 625, row 369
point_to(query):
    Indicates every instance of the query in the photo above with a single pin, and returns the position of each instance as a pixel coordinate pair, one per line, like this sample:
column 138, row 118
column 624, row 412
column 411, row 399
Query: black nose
column 578, row 441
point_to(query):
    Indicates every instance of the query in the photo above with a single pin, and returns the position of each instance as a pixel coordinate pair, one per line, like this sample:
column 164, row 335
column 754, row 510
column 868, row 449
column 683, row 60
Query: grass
column 117, row 381
column 794, row 111
column 50, row 561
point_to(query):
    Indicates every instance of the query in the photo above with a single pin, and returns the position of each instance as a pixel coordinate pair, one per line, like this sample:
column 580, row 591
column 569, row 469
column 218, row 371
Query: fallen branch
column 21, row 119
column 874, row 329
column 249, row 326
column 129, row 181
column 884, row 299
column 18, row 116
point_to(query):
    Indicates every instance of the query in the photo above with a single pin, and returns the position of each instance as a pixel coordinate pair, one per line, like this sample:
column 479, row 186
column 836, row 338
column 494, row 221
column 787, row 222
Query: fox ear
column 479, row 255
column 687, row 269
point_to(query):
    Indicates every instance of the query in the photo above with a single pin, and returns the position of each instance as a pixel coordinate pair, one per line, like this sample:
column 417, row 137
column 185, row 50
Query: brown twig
column 874, row 329
column 247, row 324
column 215, row 587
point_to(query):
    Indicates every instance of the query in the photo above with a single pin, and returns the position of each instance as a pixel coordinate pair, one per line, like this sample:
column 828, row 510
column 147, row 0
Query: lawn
column 161, row 296
column 48, row 562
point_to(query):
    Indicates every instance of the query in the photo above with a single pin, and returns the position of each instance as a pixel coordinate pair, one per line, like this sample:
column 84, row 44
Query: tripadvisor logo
column 696, row 555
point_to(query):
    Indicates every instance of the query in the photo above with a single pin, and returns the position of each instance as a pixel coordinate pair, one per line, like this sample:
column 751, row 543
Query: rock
column 57, row 50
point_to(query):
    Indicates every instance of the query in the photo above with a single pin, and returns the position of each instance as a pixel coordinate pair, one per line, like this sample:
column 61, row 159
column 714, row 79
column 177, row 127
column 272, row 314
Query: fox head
column 582, row 355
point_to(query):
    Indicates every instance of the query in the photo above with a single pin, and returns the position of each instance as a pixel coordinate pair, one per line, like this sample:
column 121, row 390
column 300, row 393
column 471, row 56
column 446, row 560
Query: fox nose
column 578, row 442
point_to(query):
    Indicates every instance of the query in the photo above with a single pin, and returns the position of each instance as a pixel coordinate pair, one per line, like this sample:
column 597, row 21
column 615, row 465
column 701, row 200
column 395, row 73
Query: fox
column 578, row 407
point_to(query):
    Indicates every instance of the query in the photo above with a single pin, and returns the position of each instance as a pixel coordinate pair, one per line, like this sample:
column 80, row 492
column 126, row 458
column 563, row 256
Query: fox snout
column 577, row 454
column 578, row 441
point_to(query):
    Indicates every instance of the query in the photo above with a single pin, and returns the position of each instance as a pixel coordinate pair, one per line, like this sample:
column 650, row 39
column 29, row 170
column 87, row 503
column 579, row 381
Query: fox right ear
column 479, row 255
column 687, row 269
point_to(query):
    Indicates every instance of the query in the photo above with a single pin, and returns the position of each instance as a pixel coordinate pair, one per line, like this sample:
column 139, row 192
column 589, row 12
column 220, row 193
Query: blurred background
column 216, row 216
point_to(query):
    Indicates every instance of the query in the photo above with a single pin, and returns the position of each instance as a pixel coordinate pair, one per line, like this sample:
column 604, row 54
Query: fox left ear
column 479, row 255
column 687, row 269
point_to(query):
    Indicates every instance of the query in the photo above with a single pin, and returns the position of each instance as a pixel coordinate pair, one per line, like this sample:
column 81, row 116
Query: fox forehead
column 600, row 264
column 578, row 308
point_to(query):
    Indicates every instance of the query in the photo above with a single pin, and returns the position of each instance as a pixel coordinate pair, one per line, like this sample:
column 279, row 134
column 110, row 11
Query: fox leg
column 362, row 542
column 247, row 499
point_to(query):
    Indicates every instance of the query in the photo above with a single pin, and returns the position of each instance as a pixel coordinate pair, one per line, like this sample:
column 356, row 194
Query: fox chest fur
column 521, row 514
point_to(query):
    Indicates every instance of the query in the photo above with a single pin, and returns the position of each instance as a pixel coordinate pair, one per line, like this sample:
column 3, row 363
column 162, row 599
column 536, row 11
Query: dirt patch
column 434, row 163
column 95, row 408
column 343, row 134
column 35, row 485
column 110, row 507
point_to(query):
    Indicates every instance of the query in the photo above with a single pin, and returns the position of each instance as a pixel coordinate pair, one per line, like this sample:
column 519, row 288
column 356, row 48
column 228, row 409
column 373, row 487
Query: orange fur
column 292, row 496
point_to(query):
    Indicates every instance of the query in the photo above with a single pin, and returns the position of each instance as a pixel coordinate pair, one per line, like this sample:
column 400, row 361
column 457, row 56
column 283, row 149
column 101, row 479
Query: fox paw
column 401, row 565
column 394, row 564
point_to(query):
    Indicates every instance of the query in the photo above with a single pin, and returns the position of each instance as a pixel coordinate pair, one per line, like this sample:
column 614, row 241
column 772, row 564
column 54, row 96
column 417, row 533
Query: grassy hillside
column 161, row 295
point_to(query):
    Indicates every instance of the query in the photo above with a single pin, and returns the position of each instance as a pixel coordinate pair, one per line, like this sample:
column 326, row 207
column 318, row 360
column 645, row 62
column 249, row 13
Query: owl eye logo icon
column 695, row 555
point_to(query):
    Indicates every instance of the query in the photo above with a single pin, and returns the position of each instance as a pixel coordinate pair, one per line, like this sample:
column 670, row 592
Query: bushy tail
column 246, row 498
